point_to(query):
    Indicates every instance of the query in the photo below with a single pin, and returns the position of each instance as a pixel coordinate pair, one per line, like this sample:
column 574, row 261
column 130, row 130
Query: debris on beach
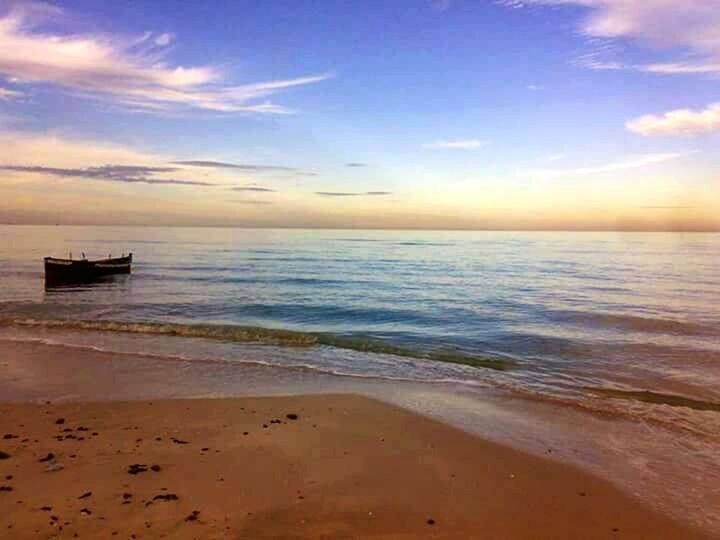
column 47, row 458
column 136, row 468
column 291, row 416
column 55, row 466
column 85, row 495
column 193, row 516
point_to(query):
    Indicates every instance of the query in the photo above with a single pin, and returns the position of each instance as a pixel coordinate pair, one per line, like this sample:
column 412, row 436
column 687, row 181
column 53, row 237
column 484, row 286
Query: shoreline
column 35, row 372
column 335, row 466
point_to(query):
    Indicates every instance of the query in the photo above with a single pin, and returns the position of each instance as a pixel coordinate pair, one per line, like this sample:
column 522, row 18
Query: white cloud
column 6, row 94
column 164, row 39
column 457, row 144
column 123, row 70
column 534, row 87
column 678, row 122
column 693, row 25
column 630, row 163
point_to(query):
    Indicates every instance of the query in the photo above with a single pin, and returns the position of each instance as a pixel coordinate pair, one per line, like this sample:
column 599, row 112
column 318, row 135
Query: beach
column 303, row 466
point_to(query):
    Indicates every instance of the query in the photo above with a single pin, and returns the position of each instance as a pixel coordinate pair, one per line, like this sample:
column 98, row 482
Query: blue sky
column 463, row 113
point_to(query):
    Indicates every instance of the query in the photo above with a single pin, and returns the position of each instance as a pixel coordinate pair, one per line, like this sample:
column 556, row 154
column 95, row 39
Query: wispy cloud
column 128, row 71
column 692, row 25
column 356, row 164
column 352, row 194
column 131, row 174
column 238, row 166
column 668, row 207
column 630, row 163
column 257, row 189
column 6, row 94
column 457, row 144
column 249, row 201
column 534, row 87
column 678, row 122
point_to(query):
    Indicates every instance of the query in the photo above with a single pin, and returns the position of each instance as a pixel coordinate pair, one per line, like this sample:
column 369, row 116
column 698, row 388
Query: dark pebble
column 193, row 516
column 179, row 441
column 60, row 421
column 246, row 433
column 9, row 477
column 616, row 530
column 6, row 488
column 8, row 436
column 85, row 512
column 47, row 458
column 136, row 468
column 81, row 428
column 291, row 416
column 94, row 433
column 204, row 449
column 155, row 468
column 46, row 508
column 126, row 496
column 3, row 455
column 431, row 522
column 85, row 495
column 165, row 497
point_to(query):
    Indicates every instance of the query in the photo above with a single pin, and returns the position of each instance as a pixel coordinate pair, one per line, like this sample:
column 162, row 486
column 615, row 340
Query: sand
column 344, row 467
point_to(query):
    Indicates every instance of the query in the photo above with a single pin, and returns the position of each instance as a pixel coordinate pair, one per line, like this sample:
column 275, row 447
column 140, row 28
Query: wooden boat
column 84, row 270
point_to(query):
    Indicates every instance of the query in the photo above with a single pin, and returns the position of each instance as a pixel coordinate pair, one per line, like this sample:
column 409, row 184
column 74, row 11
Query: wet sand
column 330, row 466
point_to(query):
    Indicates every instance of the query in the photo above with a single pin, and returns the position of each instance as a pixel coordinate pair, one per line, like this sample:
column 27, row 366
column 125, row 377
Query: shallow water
column 614, row 326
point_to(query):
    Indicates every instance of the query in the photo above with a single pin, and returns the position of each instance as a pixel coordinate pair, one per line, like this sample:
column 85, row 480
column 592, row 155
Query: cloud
column 668, row 207
column 239, row 166
column 243, row 201
column 689, row 25
column 128, row 71
column 356, row 164
column 352, row 194
column 253, row 188
column 534, row 87
column 630, row 163
column 678, row 122
column 164, row 39
column 6, row 94
column 132, row 174
column 458, row 144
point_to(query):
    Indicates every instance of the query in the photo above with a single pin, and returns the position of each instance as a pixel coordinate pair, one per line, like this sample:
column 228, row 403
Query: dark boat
column 84, row 270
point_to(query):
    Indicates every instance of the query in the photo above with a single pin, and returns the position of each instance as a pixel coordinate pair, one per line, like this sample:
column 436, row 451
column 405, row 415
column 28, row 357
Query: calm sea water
column 618, row 325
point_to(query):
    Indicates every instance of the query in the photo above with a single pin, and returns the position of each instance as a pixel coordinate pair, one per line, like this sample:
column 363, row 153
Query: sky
column 442, row 114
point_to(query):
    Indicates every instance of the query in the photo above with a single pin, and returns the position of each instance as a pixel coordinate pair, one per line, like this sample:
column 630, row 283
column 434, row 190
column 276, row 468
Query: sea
column 597, row 348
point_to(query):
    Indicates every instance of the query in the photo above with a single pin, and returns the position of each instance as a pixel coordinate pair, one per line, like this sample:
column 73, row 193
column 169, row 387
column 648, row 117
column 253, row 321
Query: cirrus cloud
column 127, row 71
column 457, row 144
column 692, row 25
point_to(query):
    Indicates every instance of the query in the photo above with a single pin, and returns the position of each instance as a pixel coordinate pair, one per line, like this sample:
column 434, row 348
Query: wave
column 264, row 336
column 657, row 398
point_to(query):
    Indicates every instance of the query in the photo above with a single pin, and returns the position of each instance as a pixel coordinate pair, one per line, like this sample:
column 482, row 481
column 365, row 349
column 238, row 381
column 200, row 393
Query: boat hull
column 82, row 271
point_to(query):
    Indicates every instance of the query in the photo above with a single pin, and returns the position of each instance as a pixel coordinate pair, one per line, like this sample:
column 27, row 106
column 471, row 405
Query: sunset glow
column 505, row 114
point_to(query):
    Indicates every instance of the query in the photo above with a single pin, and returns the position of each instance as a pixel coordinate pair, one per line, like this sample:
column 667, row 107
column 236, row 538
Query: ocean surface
column 611, row 339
